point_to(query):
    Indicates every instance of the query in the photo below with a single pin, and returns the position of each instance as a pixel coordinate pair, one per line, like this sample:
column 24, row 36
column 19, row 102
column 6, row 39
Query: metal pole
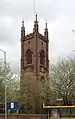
column 5, row 83
column 48, row 113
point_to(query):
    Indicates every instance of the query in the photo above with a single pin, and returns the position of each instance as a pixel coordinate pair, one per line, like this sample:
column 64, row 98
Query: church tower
column 34, row 51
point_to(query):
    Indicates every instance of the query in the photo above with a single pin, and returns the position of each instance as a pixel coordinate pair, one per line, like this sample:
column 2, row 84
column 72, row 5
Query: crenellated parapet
column 42, row 37
column 29, row 36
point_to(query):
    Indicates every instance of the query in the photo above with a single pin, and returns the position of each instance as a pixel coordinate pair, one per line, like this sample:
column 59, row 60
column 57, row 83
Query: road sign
column 12, row 105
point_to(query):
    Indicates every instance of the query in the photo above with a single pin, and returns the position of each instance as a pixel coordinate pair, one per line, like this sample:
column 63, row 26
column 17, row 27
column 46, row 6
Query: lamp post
column 5, row 82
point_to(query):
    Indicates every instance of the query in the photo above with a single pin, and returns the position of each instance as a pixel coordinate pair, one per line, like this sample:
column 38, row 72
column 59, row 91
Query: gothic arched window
column 28, row 56
column 42, row 57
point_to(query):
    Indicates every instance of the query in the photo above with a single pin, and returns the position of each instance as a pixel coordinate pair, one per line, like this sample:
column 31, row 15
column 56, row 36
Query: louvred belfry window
column 28, row 56
column 42, row 57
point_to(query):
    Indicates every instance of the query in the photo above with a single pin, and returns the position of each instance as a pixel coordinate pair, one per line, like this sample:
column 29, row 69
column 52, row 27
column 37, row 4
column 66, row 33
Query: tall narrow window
column 42, row 57
column 28, row 56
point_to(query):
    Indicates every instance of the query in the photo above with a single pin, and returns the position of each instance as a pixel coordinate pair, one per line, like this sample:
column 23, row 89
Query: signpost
column 12, row 106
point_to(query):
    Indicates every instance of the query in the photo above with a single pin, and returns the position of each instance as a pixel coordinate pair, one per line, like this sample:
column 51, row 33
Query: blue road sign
column 12, row 105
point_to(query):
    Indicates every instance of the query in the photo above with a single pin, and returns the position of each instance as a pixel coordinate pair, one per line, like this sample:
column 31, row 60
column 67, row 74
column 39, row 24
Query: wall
column 24, row 116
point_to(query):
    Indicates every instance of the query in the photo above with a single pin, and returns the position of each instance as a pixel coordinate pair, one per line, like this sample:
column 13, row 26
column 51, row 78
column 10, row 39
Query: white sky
column 60, row 15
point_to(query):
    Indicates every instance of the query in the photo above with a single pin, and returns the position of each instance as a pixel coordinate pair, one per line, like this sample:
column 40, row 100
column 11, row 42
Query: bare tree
column 12, row 84
column 62, row 78
column 34, row 93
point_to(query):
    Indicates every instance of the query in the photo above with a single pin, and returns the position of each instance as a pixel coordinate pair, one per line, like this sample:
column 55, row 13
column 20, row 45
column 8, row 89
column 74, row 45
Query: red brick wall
column 24, row 116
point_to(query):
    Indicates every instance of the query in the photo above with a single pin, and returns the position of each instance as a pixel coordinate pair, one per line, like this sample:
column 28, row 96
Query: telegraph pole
column 5, row 82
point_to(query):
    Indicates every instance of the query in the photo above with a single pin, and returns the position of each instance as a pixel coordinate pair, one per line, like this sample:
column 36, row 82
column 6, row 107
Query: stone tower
column 34, row 51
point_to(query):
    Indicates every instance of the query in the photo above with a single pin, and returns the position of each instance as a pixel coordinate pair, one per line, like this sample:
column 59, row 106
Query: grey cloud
column 45, row 9
column 48, row 9
column 66, row 9
column 59, row 12
column 63, row 41
column 6, row 39
column 9, row 36
column 17, row 8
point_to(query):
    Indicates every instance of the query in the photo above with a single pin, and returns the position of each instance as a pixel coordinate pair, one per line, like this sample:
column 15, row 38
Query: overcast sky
column 60, row 15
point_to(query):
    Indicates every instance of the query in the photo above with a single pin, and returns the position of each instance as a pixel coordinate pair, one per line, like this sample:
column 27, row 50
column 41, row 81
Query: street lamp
column 5, row 82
